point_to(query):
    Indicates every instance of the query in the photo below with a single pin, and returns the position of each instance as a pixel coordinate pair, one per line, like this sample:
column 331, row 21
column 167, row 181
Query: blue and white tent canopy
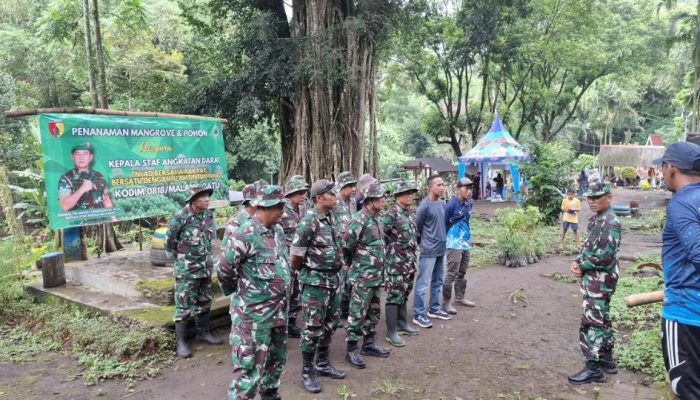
column 498, row 146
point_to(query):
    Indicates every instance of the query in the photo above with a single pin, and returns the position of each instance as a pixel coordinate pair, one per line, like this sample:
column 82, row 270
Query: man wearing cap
column 457, row 214
column 346, row 188
column 598, row 268
column 400, row 264
column 364, row 252
column 362, row 185
column 680, row 166
column 317, row 254
column 83, row 188
column 188, row 239
column 258, row 255
column 295, row 191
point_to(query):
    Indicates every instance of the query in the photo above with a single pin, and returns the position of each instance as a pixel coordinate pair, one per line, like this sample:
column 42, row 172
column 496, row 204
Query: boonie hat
column 598, row 188
column 404, row 187
column 294, row 184
column 345, row 178
column 366, row 180
column 320, row 187
column 196, row 191
column 269, row 196
column 682, row 155
column 249, row 192
column 464, row 182
column 374, row 191
column 83, row 146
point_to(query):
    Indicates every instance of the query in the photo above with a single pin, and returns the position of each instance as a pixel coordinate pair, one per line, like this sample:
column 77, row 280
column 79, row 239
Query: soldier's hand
column 575, row 270
column 86, row 186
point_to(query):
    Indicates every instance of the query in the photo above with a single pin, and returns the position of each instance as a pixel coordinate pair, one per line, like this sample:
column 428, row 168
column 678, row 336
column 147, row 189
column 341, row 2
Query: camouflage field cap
column 295, row 184
column 321, row 187
column 404, row 187
column 345, row 178
column 597, row 189
column 249, row 192
column 269, row 196
column 83, row 146
column 196, row 191
column 374, row 191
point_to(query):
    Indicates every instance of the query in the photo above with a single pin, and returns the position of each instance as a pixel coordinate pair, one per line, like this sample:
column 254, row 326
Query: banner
column 101, row 168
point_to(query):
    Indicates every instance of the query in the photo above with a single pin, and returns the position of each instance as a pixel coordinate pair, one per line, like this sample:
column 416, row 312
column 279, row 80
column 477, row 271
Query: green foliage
column 548, row 173
column 518, row 233
column 628, row 173
column 584, row 161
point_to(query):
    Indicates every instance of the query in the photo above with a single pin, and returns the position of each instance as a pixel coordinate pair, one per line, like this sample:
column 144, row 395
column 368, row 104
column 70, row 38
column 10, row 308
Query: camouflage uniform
column 290, row 221
column 73, row 179
column 254, row 259
column 599, row 265
column 400, row 263
column 317, row 242
column 344, row 210
column 364, row 250
column 188, row 239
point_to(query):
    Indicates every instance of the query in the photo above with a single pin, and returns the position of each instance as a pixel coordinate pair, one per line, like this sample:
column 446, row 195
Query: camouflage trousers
column 364, row 312
column 192, row 297
column 293, row 294
column 399, row 287
column 259, row 356
column 596, row 334
column 345, row 289
column 320, row 309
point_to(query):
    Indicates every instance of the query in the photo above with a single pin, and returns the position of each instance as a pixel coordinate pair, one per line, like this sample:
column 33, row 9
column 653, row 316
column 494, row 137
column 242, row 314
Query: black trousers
column 681, row 347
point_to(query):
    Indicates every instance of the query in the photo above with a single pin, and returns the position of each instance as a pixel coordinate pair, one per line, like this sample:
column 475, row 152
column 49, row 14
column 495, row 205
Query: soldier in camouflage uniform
column 250, row 192
column 188, row 239
column 317, row 252
column 345, row 209
column 254, row 259
column 364, row 252
column 83, row 188
column 295, row 191
column 598, row 268
column 400, row 264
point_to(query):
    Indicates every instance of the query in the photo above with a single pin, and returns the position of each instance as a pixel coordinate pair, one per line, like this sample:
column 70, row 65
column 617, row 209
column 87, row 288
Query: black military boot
column 308, row 373
column 183, row 351
column 270, row 394
column 392, row 313
column 369, row 348
column 607, row 363
column 292, row 330
column 324, row 366
column 354, row 357
column 591, row 373
column 203, row 334
column 403, row 327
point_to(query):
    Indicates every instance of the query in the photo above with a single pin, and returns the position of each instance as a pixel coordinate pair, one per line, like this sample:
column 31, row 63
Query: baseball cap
column 320, row 187
column 464, row 182
column 682, row 155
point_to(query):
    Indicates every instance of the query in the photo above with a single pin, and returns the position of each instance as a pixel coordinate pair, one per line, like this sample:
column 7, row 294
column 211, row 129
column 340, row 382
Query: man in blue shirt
column 457, row 214
column 680, row 166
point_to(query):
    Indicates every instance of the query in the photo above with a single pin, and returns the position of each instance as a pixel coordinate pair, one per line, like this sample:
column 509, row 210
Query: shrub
column 548, row 174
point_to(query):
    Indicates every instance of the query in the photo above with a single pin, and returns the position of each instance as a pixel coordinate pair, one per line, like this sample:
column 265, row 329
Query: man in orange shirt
column 570, row 207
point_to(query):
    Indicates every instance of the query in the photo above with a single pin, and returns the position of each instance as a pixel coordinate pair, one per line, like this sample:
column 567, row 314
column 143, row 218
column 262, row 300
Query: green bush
column 549, row 176
column 519, row 233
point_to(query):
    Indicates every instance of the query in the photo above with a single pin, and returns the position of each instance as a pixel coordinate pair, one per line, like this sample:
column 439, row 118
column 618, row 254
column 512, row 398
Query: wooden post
column 53, row 272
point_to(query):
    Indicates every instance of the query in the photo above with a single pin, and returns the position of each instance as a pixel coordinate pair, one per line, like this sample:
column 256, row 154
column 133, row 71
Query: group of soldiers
column 324, row 251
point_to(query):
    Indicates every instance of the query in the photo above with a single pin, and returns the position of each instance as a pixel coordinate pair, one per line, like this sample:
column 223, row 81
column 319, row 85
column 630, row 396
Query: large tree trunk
column 89, row 51
column 102, row 75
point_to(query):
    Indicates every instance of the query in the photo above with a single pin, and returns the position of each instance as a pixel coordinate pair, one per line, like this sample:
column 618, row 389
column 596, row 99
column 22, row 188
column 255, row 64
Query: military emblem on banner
column 56, row 128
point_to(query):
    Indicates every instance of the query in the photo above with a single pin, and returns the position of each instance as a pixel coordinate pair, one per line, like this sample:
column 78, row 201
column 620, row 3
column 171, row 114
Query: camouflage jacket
column 598, row 258
column 255, row 259
column 317, row 241
column 188, row 239
column 344, row 211
column 402, row 240
column 364, row 249
column 73, row 179
column 290, row 221
column 234, row 222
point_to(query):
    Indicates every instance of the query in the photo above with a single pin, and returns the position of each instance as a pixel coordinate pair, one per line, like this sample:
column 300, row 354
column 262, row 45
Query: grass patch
column 389, row 388
column 638, row 328
column 651, row 222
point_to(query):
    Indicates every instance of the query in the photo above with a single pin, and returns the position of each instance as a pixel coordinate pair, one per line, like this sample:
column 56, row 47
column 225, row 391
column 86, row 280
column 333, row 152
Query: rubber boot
column 292, row 330
column 203, row 334
column 392, row 312
column 354, row 357
column 607, row 363
column 183, row 351
column 324, row 366
column 270, row 394
column 369, row 348
column 591, row 373
column 308, row 373
column 402, row 324
column 460, row 290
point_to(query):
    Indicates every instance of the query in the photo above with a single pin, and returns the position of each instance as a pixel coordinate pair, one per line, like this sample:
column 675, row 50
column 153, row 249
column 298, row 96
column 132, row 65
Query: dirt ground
column 497, row 350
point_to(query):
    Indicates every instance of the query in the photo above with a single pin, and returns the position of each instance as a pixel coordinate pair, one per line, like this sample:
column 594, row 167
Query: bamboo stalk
column 102, row 111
